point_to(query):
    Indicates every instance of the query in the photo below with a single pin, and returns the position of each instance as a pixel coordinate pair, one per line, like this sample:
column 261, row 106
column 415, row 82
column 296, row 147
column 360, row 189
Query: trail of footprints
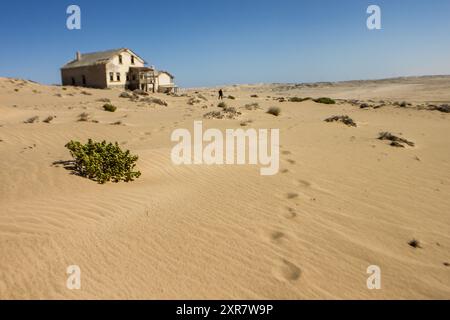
column 285, row 269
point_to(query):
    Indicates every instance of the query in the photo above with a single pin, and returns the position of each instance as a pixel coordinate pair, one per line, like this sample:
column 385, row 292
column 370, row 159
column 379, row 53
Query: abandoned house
column 120, row 68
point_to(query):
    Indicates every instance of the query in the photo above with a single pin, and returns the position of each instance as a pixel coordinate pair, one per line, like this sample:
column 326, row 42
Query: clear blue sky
column 211, row 42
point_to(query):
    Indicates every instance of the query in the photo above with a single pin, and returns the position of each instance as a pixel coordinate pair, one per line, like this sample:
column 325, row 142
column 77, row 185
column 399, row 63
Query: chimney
column 78, row 56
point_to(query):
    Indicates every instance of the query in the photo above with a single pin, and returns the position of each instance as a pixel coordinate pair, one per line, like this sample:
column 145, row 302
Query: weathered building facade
column 120, row 68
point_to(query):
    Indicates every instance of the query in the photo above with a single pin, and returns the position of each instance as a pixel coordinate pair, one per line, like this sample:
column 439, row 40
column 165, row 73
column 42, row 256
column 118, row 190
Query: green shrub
column 222, row 105
column 102, row 162
column 109, row 107
column 274, row 111
column 325, row 101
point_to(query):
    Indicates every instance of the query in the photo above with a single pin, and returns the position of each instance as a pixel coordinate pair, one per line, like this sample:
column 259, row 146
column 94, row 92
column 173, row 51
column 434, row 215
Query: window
column 118, row 76
column 132, row 59
column 120, row 59
column 73, row 81
column 84, row 80
column 128, row 76
column 111, row 76
column 134, row 77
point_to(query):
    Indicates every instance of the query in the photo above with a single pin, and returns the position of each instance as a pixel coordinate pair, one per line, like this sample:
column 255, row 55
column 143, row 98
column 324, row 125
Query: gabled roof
column 95, row 58
column 166, row 72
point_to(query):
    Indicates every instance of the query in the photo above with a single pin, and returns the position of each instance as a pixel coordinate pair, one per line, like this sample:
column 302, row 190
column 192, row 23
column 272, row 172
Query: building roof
column 95, row 58
column 166, row 72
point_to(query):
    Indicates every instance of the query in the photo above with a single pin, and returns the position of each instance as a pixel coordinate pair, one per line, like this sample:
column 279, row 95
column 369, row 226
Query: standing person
column 220, row 94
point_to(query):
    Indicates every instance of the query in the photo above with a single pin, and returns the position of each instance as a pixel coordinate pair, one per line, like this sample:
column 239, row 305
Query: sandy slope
column 342, row 201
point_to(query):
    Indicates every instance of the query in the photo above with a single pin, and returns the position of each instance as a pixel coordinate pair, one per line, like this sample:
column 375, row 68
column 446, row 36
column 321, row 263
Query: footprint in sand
column 292, row 195
column 291, row 161
column 277, row 236
column 289, row 271
column 290, row 213
column 304, row 183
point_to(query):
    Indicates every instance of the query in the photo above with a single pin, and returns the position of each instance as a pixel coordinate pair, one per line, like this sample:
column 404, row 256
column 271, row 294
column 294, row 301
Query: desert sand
column 342, row 201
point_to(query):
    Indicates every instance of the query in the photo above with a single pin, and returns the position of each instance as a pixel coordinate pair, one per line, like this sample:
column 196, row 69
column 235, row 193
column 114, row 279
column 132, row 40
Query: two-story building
column 120, row 68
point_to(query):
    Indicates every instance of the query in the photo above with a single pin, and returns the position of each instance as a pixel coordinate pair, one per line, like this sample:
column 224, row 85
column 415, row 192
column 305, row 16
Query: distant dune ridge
column 346, row 197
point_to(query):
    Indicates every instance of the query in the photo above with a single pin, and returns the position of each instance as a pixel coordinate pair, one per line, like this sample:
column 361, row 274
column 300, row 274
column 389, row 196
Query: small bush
column 252, row 106
column 193, row 100
column 48, row 119
column 109, row 107
column 83, row 117
column 325, row 100
column 222, row 105
column 229, row 109
column 32, row 120
column 414, row 243
column 442, row 108
column 254, row 96
column 126, row 94
column 213, row 115
column 395, row 141
column 155, row 101
column 344, row 119
column 274, row 111
column 297, row 99
column 245, row 123
column 231, row 97
column 102, row 162
column 226, row 113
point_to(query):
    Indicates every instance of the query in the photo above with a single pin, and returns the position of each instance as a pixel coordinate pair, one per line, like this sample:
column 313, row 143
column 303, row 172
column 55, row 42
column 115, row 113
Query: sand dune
column 342, row 201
